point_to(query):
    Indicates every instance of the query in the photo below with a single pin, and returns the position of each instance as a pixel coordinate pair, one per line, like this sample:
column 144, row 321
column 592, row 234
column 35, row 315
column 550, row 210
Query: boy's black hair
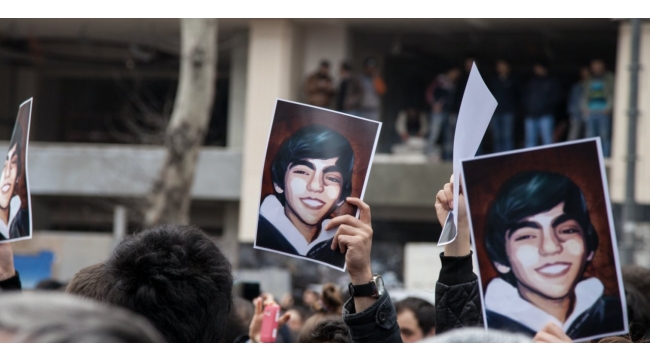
column 331, row 331
column 176, row 277
column 314, row 142
column 529, row 193
column 423, row 310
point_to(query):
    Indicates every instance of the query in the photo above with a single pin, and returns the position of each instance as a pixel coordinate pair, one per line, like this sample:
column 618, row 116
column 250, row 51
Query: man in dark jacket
column 506, row 91
column 540, row 99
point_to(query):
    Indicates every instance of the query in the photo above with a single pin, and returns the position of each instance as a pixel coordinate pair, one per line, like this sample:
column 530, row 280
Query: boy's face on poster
column 9, row 175
column 547, row 252
column 312, row 189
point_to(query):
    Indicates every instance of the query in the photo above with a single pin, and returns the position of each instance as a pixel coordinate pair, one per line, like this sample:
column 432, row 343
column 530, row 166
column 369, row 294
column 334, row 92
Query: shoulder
column 323, row 252
column 502, row 322
column 269, row 237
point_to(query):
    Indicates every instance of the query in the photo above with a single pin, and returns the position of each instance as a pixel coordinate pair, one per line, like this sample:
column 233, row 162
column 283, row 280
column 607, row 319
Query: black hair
column 17, row 139
column 423, row 310
column 330, row 331
column 324, row 63
column 371, row 61
column 177, row 278
column 50, row 284
column 314, row 142
column 529, row 193
column 346, row 66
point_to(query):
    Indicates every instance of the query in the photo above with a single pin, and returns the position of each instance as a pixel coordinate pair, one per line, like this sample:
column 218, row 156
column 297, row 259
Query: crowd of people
column 431, row 130
column 173, row 284
column 357, row 94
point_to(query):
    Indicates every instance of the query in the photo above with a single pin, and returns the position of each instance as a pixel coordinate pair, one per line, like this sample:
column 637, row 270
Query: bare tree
column 169, row 199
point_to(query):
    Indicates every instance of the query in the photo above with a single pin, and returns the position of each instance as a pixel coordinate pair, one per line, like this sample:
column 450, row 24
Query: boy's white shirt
column 14, row 207
column 503, row 298
column 273, row 211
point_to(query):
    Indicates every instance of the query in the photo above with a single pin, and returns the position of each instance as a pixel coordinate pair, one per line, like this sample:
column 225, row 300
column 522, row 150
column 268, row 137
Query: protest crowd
column 173, row 284
column 532, row 97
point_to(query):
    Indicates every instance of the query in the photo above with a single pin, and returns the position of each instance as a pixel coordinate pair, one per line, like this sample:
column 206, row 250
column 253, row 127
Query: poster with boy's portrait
column 15, row 199
column 543, row 233
column 315, row 159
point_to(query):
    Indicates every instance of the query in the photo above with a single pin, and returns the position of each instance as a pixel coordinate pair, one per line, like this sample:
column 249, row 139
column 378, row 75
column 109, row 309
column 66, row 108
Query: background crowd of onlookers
column 533, row 97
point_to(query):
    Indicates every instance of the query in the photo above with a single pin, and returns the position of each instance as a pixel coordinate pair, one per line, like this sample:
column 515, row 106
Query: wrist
column 6, row 274
column 362, row 277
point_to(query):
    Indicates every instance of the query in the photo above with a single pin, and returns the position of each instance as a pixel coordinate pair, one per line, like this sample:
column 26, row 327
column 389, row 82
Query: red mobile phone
column 270, row 323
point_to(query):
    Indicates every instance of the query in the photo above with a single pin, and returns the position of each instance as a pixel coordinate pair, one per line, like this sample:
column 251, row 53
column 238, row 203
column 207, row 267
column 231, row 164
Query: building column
column 274, row 68
column 237, row 92
column 620, row 117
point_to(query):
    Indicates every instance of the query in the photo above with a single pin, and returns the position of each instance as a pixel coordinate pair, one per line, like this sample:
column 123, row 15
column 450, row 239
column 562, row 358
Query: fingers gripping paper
column 474, row 116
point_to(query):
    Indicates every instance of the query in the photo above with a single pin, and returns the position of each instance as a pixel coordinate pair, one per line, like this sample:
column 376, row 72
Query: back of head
column 305, row 334
column 331, row 301
column 50, row 284
column 478, row 335
column 330, row 331
column 177, row 278
column 90, row 282
column 639, row 277
column 62, row 318
column 423, row 310
column 638, row 313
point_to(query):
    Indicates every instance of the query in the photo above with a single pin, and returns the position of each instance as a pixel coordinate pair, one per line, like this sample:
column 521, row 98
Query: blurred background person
column 416, row 319
column 506, row 91
column 329, row 307
column 374, row 88
column 541, row 97
column 574, row 106
column 440, row 95
column 319, row 86
column 597, row 102
column 349, row 94
column 411, row 126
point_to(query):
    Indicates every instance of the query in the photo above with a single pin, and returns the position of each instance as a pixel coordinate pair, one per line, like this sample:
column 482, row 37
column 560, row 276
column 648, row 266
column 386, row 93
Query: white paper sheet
column 476, row 110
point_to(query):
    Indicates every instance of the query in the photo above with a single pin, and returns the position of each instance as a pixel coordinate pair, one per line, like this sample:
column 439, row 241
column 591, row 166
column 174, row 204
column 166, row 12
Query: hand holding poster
column 15, row 199
column 315, row 159
column 474, row 116
column 542, row 224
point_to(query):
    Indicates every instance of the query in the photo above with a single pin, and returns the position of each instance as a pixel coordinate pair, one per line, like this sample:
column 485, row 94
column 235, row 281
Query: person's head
column 62, row 318
column 503, row 67
column 453, row 74
column 468, row 62
column 91, row 282
column 412, row 111
column 239, row 319
column 331, row 301
column 310, row 297
column 585, row 73
column 416, row 319
column 597, row 67
column 330, row 331
column 177, row 278
column 539, row 235
column 324, row 68
column 540, row 68
column 639, row 277
column 370, row 65
column 305, row 334
column 12, row 168
column 312, row 173
column 638, row 312
column 296, row 320
column 345, row 70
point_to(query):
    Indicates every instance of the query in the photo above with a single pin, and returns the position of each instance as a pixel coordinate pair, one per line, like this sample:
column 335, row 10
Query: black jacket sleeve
column 458, row 303
column 13, row 283
column 376, row 324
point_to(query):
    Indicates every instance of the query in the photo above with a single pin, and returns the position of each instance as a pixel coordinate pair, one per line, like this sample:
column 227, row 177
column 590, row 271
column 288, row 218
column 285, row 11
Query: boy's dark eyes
column 301, row 172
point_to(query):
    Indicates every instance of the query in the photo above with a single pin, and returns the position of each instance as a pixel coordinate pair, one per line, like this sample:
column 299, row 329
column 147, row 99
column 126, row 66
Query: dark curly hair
column 177, row 278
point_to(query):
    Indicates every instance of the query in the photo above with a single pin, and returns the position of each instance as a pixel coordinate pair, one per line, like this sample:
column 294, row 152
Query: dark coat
column 542, row 96
column 19, row 226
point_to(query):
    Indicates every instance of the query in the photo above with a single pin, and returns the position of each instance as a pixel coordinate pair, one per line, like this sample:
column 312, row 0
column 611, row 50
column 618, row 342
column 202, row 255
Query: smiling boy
column 312, row 177
column 14, row 219
column 540, row 239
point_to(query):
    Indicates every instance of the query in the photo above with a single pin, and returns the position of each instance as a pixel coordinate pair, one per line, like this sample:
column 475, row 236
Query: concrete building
column 103, row 87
